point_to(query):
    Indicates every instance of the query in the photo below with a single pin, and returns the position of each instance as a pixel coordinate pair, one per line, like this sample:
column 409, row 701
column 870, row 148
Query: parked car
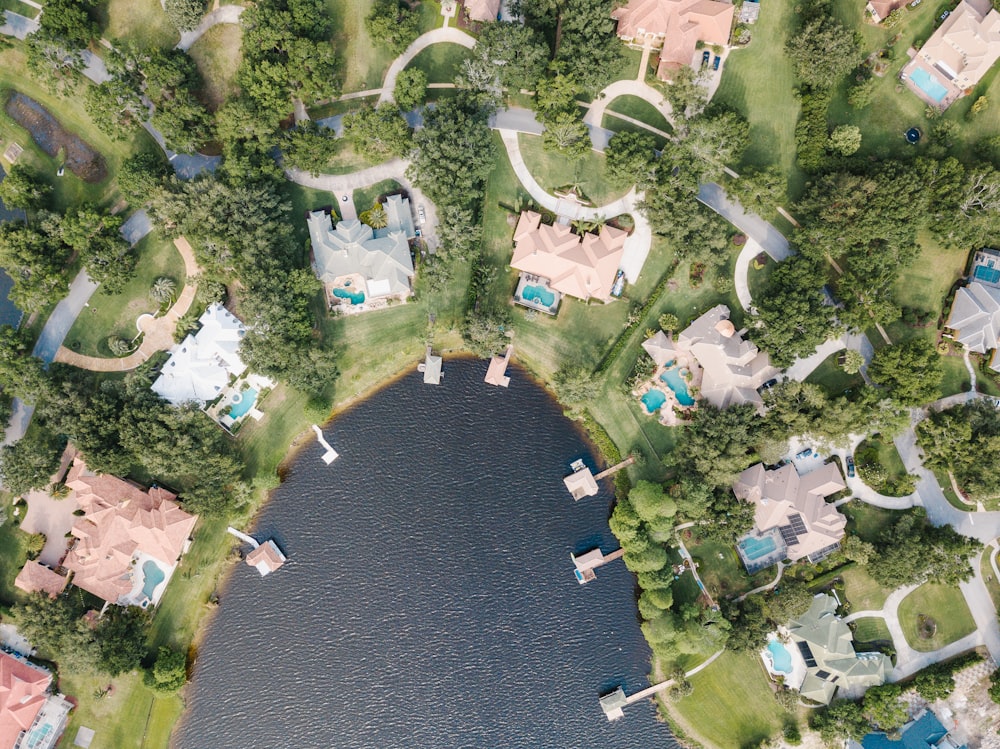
column 850, row 466
column 803, row 453
column 706, row 57
column 770, row 383
column 421, row 215
column 915, row 3
column 716, row 62
column 944, row 15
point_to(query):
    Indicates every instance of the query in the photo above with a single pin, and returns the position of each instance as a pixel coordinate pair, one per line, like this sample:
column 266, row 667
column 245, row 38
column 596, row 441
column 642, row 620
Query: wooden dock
column 649, row 692
column 615, row 468
column 330, row 455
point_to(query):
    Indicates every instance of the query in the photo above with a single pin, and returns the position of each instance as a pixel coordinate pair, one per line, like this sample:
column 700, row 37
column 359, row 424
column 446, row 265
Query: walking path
column 158, row 332
column 769, row 586
column 224, row 14
column 422, row 42
column 632, row 87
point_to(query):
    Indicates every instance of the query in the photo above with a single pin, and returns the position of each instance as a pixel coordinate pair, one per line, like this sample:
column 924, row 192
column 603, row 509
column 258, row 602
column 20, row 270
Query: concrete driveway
column 54, row 518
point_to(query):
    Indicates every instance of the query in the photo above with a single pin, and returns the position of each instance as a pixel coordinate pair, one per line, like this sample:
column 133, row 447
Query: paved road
column 422, row 42
column 768, row 237
column 94, row 67
column 137, row 226
column 224, row 14
column 18, row 26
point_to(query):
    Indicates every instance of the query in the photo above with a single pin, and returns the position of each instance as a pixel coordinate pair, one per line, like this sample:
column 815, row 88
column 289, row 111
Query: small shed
column 612, row 704
column 431, row 367
column 581, row 483
column 266, row 558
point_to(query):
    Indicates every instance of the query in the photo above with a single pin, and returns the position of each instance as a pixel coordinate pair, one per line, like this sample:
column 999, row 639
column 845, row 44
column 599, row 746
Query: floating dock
column 330, row 455
column 497, row 372
column 588, row 562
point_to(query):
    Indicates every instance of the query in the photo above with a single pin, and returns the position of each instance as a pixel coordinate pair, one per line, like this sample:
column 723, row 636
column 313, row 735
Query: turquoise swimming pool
column 755, row 548
column 355, row 297
column 246, row 400
column 654, row 400
column 538, row 294
column 781, row 658
column 987, row 274
column 153, row 576
column 928, row 85
column 673, row 379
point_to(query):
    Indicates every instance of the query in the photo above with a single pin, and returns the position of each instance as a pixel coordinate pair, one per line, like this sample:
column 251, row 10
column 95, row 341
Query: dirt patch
column 51, row 137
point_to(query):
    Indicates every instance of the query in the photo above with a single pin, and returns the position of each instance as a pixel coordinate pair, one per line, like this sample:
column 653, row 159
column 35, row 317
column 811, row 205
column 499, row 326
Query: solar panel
column 797, row 523
column 788, row 535
column 807, row 655
column 823, row 674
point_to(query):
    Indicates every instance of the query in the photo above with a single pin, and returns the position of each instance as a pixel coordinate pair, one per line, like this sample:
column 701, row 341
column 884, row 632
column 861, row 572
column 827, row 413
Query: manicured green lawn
column 732, row 705
column 720, row 568
column 871, row 629
column 340, row 107
column 116, row 314
column 141, row 21
column 218, row 55
column 758, row 82
column 946, row 606
column 618, row 125
column 554, row 171
column 441, row 62
column 867, row 521
column 945, row 483
column 639, row 109
column 832, row 377
column 366, row 197
column 992, row 584
column 12, row 551
column 305, row 199
column 861, row 589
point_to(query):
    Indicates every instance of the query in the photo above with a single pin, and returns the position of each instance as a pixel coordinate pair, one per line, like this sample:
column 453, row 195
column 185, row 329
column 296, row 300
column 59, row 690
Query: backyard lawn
column 721, row 570
column 306, row 199
column 861, row 589
column 870, row 630
column 555, row 171
column 867, row 521
column 140, row 21
column 12, row 551
column 116, row 314
column 935, row 615
column 832, row 377
column 217, row 55
column 441, row 62
column 732, row 704
column 365, row 197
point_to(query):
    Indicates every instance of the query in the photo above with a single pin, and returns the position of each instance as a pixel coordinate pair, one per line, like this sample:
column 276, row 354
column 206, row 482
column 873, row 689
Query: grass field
column 306, row 199
column 639, row 109
column 16, row 6
column 553, row 170
column 942, row 603
column 992, row 584
column 758, row 82
column 867, row 521
column 732, row 705
column 140, row 21
column 832, row 377
column 861, row 589
column 618, row 125
column 870, row 630
column 366, row 197
column 441, row 62
column 720, row 569
column 218, row 55
column 12, row 551
column 116, row 314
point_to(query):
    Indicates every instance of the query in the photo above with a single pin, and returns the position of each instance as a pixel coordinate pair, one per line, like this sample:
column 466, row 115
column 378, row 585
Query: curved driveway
column 224, row 14
column 422, row 42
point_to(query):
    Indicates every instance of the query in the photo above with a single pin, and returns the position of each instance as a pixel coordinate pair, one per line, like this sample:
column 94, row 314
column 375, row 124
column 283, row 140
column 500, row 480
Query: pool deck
column 527, row 279
column 917, row 64
column 668, row 411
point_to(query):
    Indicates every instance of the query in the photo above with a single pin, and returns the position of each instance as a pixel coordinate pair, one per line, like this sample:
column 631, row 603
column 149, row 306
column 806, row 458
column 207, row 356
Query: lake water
column 429, row 597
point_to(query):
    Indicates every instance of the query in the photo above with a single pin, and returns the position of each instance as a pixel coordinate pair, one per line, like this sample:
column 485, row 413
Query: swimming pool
column 653, row 400
column 780, row 657
column 755, row 548
column 356, row 297
column 538, row 294
column 922, row 79
column 672, row 377
column 989, row 275
column 246, row 400
column 153, row 576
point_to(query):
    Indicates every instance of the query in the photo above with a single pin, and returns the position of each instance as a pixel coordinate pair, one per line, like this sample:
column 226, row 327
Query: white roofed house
column 361, row 267
column 975, row 312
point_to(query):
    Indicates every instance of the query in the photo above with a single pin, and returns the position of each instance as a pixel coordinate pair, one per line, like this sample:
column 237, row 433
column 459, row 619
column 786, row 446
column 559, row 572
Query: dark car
column 850, row 467
column 716, row 62
column 705, row 57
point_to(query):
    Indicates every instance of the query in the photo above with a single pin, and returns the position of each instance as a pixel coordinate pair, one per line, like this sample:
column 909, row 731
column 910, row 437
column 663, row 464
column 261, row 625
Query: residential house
column 554, row 261
column 129, row 540
column 925, row 731
column 879, row 10
column 675, row 27
column 35, row 577
column 826, row 646
column 975, row 311
column 362, row 267
column 792, row 519
column 482, row 10
column 30, row 716
column 957, row 56
column 727, row 369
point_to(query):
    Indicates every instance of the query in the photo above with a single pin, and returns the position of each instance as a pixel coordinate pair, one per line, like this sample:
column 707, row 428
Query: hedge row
column 811, row 131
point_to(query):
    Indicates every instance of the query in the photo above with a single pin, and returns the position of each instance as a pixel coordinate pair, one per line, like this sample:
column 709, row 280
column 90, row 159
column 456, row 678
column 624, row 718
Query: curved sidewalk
column 158, row 332
column 446, row 34
column 225, row 14
column 595, row 113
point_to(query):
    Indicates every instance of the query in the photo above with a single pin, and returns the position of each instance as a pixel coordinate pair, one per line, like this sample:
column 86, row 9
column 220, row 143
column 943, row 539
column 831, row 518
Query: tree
column 565, row 132
column 96, row 236
column 587, row 48
column 933, row 684
column 140, row 177
column 169, row 672
column 911, row 372
column 759, row 190
column 853, row 361
column 119, row 346
column 30, row 462
column 309, row 147
column 823, row 52
column 375, row 217
column 21, row 188
column 163, row 290
column 842, row 719
column 687, row 93
column 117, row 107
column 994, row 688
column 485, row 334
column 715, row 140
column 411, row 89
column 653, row 505
column 184, row 14
column 507, row 57
column 379, row 133
column 630, row 158
column 121, row 639
column 883, row 707
column 21, row 375
column 575, row 385
column 858, row 551
column 69, row 23
column 392, row 23
column 862, row 94
column 964, row 440
column 718, row 444
column 845, row 140
column 56, row 628
column 913, row 551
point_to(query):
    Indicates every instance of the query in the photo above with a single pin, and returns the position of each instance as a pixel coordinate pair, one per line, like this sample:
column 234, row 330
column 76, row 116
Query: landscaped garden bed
column 881, row 468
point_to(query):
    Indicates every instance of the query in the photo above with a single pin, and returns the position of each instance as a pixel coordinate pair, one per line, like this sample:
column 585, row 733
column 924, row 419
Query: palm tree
column 376, row 217
column 118, row 346
column 163, row 289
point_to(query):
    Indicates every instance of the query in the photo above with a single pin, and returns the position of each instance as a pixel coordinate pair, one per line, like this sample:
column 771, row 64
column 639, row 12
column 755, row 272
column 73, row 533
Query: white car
column 421, row 215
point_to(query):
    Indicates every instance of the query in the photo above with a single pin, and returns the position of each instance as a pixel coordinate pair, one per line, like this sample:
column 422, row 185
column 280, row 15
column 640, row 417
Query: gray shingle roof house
column 826, row 645
column 975, row 313
column 358, row 264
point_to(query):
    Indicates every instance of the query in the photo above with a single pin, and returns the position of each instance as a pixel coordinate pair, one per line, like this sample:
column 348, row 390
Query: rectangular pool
column 923, row 80
column 989, row 275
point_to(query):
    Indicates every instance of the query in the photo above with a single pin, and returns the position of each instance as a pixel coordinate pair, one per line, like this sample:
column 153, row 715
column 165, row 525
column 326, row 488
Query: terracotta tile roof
column 22, row 694
column 582, row 267
column 266, row 558
column 482, row 10
column 678, row 24
column 37, row 578
column 880, row 9
column 120, row 520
